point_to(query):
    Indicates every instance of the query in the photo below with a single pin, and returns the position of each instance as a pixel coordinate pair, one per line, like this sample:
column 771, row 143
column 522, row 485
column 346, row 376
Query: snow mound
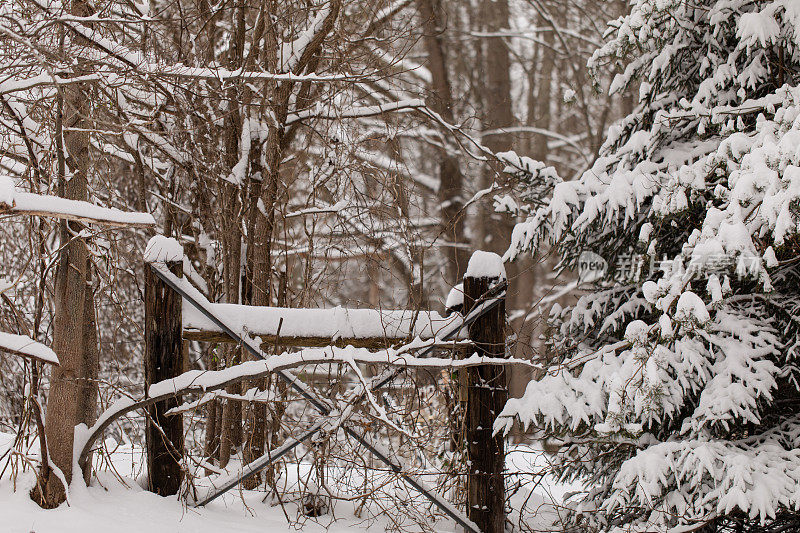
column 455, row 297
column 485, row 265
column 161, row 249
column 691, row 305
column 6, row 191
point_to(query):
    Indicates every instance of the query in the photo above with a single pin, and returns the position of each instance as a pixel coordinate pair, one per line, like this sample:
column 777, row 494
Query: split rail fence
column 175, row 310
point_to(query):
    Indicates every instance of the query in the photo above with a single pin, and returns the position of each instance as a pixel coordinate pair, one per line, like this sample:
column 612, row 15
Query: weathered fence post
column 486, row 395
column 163, row 359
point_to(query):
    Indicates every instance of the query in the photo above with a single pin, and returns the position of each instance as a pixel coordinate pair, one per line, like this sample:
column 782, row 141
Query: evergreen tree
column 672, row 385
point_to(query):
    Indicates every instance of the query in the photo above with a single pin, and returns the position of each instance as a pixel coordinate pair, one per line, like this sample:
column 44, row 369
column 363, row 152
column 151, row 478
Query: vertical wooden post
column 163, row 357
column 486, row 395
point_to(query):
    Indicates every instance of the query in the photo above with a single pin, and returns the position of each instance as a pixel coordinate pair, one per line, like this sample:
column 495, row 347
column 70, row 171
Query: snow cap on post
column 485, row 265
column 163, row 249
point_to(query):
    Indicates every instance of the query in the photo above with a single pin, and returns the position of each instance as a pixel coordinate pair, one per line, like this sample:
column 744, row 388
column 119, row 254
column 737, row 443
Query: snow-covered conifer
column 673, row 384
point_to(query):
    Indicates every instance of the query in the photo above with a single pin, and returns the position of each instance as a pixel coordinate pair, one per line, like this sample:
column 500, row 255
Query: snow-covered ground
column 117, row 503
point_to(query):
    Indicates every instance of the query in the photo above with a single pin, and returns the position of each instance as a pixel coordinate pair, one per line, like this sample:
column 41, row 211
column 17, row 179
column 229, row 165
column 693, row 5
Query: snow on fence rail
column 16, row 202
column 361, row 328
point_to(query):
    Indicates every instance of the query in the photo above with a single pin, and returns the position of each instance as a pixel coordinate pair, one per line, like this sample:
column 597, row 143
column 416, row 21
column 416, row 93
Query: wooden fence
column 173, row 311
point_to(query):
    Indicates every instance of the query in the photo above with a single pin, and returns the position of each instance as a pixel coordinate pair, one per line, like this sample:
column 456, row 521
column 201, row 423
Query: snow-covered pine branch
column 679, row 362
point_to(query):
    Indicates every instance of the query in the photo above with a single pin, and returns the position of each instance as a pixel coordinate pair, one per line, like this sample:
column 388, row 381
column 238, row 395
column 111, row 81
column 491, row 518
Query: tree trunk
column 451, row 187
column 73, row 384
column 231, row 431
column 497, row 114
column 212, row 428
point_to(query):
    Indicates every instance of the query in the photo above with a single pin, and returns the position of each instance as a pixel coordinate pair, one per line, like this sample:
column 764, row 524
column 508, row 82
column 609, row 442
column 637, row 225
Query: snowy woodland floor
column 117, row 503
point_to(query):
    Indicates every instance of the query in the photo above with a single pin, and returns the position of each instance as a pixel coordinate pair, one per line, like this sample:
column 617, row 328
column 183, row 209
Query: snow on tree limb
column 13, row 201
column 24, row 346
column 356, row 111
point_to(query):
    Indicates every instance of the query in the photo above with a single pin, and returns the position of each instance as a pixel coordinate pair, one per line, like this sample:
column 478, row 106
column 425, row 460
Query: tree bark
column 231, row 431
column 73, row 384
column 451, row 180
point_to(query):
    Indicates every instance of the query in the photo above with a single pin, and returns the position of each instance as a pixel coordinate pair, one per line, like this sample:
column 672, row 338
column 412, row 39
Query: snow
column 161, row 249
column 769, row 257
column 27, row 347
column 211, row 379
column 79, row 209
column 754, row 480
column 691, row 305
column 651, row 291
column 334, row 113
column 6, row 191
column 119, row 504
column 636, row 332
column 455, row 297
column 484, row 264
column 290, row 53
column 124, row 507
column 336, row 323
column 46, row 205
column 758, row 27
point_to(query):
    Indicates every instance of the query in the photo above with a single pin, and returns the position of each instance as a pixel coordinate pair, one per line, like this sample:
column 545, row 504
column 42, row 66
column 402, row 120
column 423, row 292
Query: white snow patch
column 161, row 249
column 758, row 27
column 485, row 265
column 636, row 332
column 455, row 297
column 769, row 258
column 24, row 345
column 691, row 305
column 336, row 323
column 6, row 191
column 651, row 291
column 26, row 202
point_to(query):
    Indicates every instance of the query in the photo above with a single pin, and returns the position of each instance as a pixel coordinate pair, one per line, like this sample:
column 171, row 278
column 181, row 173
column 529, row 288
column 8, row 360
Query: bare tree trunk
column 497, row 114
column 540, row 102
column 231, row 433
column 451, row 187
column 256, row 413
column 73, row 385
column 212, row 428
